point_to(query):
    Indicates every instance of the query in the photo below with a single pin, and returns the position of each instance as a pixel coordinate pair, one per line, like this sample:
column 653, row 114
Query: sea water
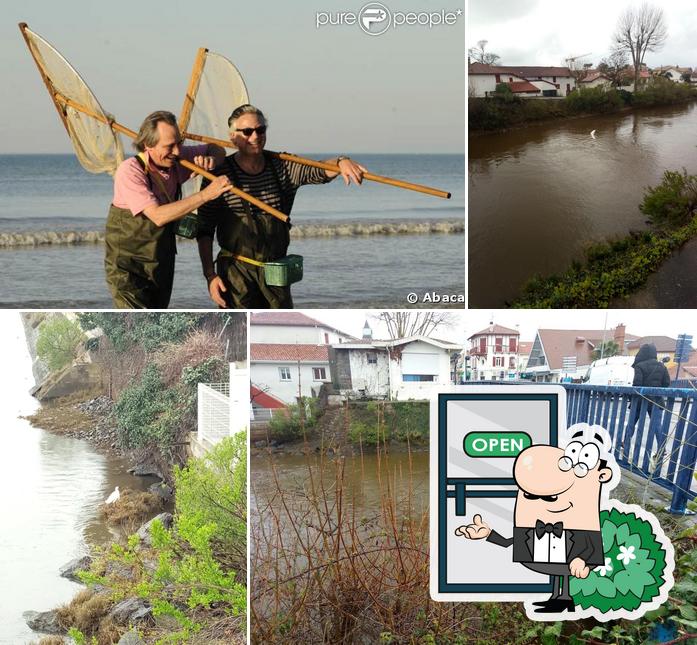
column 52, row 193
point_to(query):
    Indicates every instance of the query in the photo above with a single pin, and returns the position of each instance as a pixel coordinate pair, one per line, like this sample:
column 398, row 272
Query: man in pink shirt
column 140, row 230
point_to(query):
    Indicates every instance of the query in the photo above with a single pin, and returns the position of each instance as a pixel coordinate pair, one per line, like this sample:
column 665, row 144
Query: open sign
column 496, row 444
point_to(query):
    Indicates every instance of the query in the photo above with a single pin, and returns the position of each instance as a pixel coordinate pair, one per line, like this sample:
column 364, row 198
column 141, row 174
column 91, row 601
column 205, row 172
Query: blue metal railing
column 653, row 430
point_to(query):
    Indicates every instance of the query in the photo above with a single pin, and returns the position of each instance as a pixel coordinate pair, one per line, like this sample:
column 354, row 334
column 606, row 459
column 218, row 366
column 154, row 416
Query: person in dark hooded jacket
column 648, row 372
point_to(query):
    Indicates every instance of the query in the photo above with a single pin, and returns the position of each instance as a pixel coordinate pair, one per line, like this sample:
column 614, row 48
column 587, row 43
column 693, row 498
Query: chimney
column 367, row 332
column 619, row 336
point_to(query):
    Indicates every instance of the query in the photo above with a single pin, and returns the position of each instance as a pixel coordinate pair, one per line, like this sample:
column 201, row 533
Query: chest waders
column 139, row 260
column 243, row 275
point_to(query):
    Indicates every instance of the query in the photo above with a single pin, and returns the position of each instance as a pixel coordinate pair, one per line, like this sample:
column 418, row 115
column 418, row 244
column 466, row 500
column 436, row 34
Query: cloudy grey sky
column 639, row 322
column 545, row 32
column 332, row 89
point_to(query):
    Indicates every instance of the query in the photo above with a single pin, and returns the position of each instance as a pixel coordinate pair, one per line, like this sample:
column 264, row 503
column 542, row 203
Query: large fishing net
column 97, row 146
column 219, row 91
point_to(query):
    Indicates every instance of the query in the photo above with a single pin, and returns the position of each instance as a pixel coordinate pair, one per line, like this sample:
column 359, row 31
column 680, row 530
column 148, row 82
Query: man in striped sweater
column 249, row 237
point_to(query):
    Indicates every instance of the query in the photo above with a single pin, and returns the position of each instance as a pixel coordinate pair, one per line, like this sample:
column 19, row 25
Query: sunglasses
column 248, row 132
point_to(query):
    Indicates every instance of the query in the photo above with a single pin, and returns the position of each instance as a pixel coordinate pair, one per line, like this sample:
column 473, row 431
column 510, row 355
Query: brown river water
column 539, row 195
column 51, row 487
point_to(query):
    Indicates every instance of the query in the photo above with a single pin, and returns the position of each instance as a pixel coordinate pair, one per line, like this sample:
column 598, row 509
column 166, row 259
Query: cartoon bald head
column 562, row 485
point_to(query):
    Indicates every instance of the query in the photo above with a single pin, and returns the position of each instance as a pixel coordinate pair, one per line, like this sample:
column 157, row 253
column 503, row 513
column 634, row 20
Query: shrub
column 212, row 489
column 367, row 434
column 58, row 341
column 635, row 563
column 148, row 330
column 293, row 422
column 593, row 99
column 673, row 201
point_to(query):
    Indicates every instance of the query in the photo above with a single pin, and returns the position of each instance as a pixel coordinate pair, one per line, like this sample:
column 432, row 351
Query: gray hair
column 245, row 109
column 148, row 136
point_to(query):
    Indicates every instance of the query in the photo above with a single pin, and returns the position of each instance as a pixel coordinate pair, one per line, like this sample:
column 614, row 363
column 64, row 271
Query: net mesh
column 96, row 145
column 221, row 89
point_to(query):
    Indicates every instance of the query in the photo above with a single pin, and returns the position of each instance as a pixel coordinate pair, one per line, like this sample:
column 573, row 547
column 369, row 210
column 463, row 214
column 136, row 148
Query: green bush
column 195, row 580
column 593, row 99
column 635, row 563
column 212, row 490
column 662, row 91
column 411, row 421
column 147, row 330
column 368, row 434
column 58, row 341
column 292, row 423
column 674, row 201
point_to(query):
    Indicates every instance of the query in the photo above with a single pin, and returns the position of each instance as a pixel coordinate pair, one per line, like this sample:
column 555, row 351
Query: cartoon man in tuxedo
column 557, row 513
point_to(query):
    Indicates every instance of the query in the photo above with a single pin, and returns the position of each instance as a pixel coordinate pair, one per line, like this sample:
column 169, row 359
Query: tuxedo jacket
column 587, row 545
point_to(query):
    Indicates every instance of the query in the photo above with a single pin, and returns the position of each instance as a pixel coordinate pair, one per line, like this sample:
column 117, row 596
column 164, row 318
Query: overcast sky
column 545, row 32
column 639, row 322
column 328, row 89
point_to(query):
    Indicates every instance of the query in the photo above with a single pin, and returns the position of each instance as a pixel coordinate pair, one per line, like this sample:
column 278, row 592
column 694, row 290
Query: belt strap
column 224, row 253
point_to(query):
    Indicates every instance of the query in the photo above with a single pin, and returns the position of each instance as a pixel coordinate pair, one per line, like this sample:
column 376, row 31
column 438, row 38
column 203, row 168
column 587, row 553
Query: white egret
column 114, row 496
column 593, row 133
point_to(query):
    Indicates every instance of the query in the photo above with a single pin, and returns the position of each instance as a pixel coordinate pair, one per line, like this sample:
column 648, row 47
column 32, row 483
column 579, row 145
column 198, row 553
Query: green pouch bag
column 187, row 226
column 284, row 272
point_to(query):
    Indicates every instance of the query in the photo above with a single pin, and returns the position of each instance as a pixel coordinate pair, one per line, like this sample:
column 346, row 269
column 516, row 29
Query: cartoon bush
column 633, row 573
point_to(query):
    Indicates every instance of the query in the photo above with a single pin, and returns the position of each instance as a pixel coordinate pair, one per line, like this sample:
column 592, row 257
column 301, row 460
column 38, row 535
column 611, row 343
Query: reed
column 326, row 570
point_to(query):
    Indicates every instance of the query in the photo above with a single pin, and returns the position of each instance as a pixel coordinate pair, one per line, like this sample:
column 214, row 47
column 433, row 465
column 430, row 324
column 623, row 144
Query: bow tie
column 541, row 528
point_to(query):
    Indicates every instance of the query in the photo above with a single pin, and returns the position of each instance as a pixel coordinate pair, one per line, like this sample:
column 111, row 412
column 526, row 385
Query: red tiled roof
column 495, row 329
column 522, row 86
column 533, row 71
column 594, row 76
column 264, row 399
column 525, row 347
column 481, row 68
column 522, row 71
column 288, row 352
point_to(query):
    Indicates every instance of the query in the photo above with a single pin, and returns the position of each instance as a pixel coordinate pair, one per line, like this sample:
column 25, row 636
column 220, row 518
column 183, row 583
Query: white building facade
column 493, row 354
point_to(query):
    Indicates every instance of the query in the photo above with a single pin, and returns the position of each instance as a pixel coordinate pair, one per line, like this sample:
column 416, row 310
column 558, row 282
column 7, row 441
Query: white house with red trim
column 289, row 356
column 494, row 354
column 526, row 81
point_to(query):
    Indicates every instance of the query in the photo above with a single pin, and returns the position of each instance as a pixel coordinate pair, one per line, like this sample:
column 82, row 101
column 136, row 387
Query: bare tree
column 615, row 66
column 402, row 324
column 479, row 55
column 639, row 31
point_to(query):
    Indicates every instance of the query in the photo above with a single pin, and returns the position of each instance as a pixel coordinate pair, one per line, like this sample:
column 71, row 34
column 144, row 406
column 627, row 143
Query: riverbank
column 339, row 551
column 609, row 272
column 81, row 416
column 505, row 111
column 351, row 429
column 122, row 602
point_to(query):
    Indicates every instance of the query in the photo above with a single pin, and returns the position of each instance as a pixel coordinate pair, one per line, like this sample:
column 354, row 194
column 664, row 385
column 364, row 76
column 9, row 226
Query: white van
column 615, row 370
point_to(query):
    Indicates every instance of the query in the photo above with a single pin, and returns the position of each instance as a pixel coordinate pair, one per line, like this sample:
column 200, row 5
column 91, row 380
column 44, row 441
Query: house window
column 498, row 361
column 511, row 344
column 284, row 372
column 498, row 345
column 482, row 345
column 326, row 339
column 511, row 362
column 319, row 374
column 372, row 358
column 419, row 377
column 502, row 375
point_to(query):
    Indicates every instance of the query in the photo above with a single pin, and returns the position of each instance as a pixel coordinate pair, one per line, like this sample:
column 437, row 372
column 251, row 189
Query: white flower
column 604, row 568
column 626, row 554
